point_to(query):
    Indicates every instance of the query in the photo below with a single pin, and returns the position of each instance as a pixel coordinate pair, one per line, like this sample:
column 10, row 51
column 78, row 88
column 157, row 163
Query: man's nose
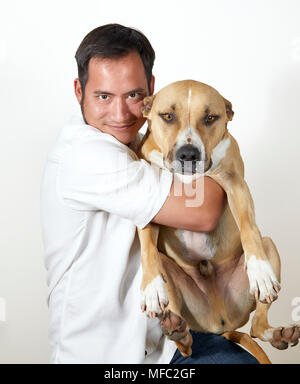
column 120, row 110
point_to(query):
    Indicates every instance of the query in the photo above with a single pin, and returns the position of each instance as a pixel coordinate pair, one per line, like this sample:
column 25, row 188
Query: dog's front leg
column 154, row 297
column 263, row 282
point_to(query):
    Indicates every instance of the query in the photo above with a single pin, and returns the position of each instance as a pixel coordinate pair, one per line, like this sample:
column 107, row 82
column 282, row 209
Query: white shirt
column 95, row 191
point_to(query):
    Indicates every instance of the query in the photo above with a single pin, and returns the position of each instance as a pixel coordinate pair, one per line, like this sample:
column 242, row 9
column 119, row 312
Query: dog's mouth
column 189, row 160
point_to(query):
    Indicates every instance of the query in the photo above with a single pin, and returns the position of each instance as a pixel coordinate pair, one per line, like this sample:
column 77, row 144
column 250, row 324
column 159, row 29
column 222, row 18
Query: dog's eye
column 168, row 117
column 209, row 119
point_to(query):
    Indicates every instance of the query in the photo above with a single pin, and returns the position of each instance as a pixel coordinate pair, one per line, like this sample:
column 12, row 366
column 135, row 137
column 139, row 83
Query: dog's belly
column 196, row 245
column 186, row 245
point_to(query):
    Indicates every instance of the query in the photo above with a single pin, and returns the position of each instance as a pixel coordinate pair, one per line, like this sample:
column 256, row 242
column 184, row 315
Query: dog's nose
column 188, row 152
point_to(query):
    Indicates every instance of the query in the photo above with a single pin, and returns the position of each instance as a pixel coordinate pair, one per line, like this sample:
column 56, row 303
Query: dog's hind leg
column 172, row 322
column 175, row 328
column 160, row 290
column 189, row 305
column 279, row 337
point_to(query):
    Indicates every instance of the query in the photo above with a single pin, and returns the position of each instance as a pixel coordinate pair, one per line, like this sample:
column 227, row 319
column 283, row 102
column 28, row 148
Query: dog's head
column 187, row 120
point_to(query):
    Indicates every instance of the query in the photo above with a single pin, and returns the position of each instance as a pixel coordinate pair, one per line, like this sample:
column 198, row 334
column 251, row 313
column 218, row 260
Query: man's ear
column 229, row 111
column 152, row 85
column 148, row 102
column 78, row 90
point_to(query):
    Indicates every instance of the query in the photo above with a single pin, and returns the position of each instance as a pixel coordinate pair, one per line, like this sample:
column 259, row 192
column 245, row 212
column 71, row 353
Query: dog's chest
column 196, row 245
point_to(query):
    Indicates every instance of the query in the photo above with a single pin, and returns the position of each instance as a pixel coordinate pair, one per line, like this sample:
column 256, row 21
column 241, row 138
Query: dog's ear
column 148, row 101
column 229, row 111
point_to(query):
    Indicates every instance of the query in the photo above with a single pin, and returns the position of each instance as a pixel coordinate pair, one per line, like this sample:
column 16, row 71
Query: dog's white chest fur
column 197, row 245
column 156, row 158
column 218, row 153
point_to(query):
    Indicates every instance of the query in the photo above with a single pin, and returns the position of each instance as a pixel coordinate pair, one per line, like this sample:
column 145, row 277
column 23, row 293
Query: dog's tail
column 247, row 342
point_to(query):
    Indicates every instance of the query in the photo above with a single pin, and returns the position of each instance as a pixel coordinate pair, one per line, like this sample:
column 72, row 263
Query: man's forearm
column 195, row 208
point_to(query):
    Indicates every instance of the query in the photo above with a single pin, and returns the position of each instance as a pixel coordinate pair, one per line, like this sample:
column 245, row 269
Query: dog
column 206, row 282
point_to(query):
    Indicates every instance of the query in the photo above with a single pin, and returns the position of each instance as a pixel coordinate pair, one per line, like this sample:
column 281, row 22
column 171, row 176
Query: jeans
column 209, row 348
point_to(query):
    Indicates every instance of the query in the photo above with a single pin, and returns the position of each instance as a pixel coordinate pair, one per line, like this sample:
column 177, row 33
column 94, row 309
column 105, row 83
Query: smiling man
column 95, row 192
column 113, row 95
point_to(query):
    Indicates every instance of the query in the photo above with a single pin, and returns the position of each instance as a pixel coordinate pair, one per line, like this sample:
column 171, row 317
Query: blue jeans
column 209, row 348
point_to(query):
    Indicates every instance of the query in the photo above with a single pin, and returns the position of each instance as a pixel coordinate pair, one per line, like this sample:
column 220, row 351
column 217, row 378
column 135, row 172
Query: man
column 94, row 193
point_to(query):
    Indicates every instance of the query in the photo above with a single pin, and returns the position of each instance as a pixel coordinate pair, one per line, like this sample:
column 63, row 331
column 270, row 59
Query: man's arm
column 177, row 214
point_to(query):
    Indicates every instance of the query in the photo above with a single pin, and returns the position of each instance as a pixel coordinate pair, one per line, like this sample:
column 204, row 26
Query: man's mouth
column 121, row 127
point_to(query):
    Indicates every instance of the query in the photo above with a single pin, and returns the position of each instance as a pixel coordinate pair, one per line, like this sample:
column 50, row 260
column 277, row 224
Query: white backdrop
column 248, row 50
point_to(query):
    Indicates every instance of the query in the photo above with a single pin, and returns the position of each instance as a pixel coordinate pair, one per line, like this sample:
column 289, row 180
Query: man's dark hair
column 113, row 41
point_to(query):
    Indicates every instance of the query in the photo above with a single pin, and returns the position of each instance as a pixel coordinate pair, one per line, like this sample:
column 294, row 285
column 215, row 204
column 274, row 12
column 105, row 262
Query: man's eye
column 168, row 117
column 103, row 97
column 135, row 95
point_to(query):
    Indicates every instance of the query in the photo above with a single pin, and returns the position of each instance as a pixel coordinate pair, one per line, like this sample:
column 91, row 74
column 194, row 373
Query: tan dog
column 206, row 282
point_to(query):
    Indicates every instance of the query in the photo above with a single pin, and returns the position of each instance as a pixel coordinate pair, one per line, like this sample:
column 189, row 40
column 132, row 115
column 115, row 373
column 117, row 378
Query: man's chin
column 124, row 138
column 125, row 135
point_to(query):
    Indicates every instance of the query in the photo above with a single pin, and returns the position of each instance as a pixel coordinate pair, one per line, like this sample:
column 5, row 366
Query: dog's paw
column 262, row 280
column 154, row 298
column 173, row 326
column 282, row 337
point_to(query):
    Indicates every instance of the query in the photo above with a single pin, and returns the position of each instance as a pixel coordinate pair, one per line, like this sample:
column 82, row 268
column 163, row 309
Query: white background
column 248, row 50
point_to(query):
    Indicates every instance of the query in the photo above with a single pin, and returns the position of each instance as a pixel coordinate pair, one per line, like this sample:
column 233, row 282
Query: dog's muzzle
column 188, row 160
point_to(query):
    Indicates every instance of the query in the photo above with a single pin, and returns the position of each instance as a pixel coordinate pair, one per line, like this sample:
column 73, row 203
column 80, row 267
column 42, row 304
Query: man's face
column 113, row 96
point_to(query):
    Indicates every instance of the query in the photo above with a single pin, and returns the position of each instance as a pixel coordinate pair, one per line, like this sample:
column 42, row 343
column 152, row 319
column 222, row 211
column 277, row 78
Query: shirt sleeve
column 103, row 174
